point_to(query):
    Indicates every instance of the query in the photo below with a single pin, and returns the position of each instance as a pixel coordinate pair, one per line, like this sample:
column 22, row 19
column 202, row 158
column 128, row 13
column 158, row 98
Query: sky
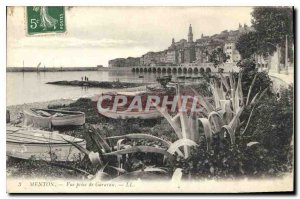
column 97, row 34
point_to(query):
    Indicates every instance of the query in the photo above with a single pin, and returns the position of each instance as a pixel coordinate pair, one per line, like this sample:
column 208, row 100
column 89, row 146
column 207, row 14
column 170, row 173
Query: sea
column 29, row 87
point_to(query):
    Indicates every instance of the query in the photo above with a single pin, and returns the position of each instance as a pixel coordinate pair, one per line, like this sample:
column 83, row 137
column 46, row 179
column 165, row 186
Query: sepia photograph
column 121, row 99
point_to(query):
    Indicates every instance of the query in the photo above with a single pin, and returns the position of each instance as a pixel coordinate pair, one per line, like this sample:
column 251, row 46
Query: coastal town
column 196, row 53
column 201, row 110
column 190, row 50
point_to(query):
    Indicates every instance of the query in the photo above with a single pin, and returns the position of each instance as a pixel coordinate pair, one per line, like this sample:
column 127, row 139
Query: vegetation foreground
column 245, row 131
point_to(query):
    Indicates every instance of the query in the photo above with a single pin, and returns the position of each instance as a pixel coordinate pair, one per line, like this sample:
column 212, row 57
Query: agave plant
column 221, row 117
column 100, row 160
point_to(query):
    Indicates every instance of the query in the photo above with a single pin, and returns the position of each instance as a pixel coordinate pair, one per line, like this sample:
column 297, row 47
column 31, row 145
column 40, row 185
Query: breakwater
column 98, row 84
column 49, row 69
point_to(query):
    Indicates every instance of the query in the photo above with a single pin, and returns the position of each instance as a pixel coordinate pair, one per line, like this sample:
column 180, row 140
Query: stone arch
column 137, row 70
column 149, row 70
column 190, row 70
column 174, row 70
column 208, row 70
column 196, row 70
column 145, row 70
column 154, row 70
column 184, row 70
column 179, row 70
column 159, row 70
column 141, row 70
column 202, row 70
column 169, row 70
column 164, row 70
column 133, row 69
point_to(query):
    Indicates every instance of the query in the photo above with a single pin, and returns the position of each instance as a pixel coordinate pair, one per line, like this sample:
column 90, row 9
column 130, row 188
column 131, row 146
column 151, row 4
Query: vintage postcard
column 150, row 99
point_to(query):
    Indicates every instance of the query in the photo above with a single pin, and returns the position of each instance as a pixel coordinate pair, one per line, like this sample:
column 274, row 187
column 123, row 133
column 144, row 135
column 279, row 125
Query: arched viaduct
column 185, row 69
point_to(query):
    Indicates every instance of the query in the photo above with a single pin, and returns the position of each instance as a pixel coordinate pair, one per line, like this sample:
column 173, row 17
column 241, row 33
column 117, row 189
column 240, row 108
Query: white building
column 231, row 51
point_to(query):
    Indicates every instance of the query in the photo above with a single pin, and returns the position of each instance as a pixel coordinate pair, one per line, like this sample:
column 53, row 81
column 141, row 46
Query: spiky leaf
column 179, row 143
column 144, row 149
column 141, row 136
column 207, row 131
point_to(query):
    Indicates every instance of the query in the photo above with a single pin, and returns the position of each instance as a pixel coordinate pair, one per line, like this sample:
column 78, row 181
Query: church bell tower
column 190, row 35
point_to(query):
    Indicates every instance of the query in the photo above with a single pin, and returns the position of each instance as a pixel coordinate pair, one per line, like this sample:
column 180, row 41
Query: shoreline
column 16, row 109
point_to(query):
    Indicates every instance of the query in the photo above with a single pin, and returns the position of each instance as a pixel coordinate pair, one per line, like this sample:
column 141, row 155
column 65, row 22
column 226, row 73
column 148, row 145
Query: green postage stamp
column 45, row 19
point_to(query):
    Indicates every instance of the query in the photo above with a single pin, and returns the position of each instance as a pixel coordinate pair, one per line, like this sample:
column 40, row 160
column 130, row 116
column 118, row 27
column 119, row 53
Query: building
column 190, row 51
column 172, row 57
column 231, row 51
column 201, row 55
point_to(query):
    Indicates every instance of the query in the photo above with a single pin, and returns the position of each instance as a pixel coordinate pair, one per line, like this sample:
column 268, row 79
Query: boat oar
column 80, row 148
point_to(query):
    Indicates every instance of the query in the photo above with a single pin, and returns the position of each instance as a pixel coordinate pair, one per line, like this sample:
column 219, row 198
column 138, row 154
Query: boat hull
column 76, row 120
column 50, row 152
column 31, row 118
column 122, row 113
column 36, row 144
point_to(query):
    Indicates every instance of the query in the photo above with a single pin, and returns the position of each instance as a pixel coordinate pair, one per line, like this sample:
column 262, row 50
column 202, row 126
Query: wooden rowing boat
column 123, row 112
column 46, row 118
column 26, row 143
column 141, row 109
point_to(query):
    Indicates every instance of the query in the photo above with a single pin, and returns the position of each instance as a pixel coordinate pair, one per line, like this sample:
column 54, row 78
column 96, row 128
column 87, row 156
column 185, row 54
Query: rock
column 99, row 84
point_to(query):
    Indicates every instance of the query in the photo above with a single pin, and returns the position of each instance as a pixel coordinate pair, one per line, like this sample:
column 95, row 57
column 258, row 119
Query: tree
column 272, row 24
column 249, row 71
column 247, row 45
column 218, row 57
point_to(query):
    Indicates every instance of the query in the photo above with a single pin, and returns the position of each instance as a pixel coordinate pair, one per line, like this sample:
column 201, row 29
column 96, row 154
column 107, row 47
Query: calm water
column 31, row 86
